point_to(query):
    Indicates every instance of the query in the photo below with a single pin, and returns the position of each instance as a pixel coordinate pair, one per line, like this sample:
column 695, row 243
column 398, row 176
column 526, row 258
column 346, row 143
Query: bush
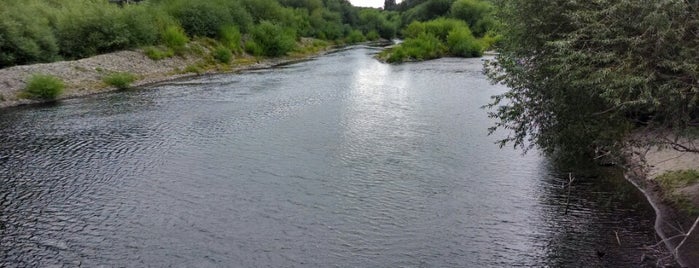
column 88, row 28
column 26, row 35
column 372, row 36
column 355, row 36
column 222, row 54
column 424, row 47
column 477, row 13
column 121, row 80
column 201, row 18
column 156, row 53
column 45, row 87
column 230, row 36
column 461, row 43
column 174, row 38
column 253, row 48
column 273, row 39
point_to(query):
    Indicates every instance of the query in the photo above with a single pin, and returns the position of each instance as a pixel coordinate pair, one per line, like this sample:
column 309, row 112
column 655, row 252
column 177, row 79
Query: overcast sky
column 369, row 3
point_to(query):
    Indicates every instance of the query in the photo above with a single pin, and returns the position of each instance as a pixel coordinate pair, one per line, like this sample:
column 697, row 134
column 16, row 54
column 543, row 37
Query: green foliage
column 201, row 18
column 230, row 37
column 26, row 35
column 372, row 36
column 120, row 80
column 47, row 30
column 355, row 36
column 477, row 13
column 424, row 47
column 174, row 38
column 44, row 87
column 427, row 10
column 453, row 36
column 462, row 43
column 442, row 27
column 194, row 68
column 273, row 39
column 583, row 75
column 158, row 53
column 253, row 48
column 88, row 28
column 375, row 20
column 222, row 54
column 672, row 181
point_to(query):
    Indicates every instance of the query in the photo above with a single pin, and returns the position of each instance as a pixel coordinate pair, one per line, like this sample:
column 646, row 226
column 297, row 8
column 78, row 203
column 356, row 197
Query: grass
column 222, row 54
column 157, row 53
column 671, row 181
column 120, row 80
column 44, row 87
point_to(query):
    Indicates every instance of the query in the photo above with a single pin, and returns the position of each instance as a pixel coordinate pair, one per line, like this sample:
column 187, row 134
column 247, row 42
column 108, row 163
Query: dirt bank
column 678, row 232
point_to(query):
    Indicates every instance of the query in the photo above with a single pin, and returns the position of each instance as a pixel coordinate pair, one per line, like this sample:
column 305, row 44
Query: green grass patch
column 222, row 54
column 44, row 87
column 120, row 80
column 671, row 181
column 158, row 53
column 194, row 68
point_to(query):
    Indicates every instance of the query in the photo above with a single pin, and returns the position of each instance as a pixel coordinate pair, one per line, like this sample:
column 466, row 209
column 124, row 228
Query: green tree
column 583, row 75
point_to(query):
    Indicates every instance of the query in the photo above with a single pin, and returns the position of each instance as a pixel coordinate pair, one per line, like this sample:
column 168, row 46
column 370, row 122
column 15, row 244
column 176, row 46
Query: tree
column 584, row 75
column 390, row 5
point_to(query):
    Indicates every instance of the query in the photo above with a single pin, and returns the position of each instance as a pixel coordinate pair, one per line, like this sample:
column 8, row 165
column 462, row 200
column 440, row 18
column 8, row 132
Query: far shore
column 84, row 77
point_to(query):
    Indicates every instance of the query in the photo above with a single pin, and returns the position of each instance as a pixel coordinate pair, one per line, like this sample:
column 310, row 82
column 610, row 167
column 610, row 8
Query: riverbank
column 85, row 76
column 676, row 229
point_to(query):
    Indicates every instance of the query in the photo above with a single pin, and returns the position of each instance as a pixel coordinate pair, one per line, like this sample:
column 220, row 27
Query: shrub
column 372, row 35
column 201, row 18
column 222, row 54
column 461, row 43
column 253, row 48
column 424, row 47
column 477, row 13
column 120, row 80
column 230, row 36
column 273, row 39
column 174, row 38
column 88, row 28
column 355, row 36
column 156, row 53
column 25, row 35
column 45, row 87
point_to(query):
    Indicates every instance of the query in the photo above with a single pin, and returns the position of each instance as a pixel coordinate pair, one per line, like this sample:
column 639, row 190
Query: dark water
column 337, row 162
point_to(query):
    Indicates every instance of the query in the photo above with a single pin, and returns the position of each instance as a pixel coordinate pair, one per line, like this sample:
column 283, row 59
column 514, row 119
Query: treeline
column 438, row 28
column 34, row 31
column 584, row 76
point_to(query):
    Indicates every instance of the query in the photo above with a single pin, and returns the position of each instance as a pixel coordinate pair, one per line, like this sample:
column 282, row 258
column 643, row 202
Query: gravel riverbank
column 84, row 77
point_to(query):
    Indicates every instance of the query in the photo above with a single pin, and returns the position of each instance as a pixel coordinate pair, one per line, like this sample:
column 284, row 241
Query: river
column 340, row 161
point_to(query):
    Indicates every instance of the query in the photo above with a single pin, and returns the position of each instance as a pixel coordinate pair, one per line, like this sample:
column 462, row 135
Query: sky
column 368, row 3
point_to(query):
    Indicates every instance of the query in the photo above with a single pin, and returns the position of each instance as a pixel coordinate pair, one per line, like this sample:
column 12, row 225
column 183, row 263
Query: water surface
column 341, row 161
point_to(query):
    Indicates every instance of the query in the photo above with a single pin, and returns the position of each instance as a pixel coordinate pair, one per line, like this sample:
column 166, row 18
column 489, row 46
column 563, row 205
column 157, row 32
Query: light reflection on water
column 339, row 161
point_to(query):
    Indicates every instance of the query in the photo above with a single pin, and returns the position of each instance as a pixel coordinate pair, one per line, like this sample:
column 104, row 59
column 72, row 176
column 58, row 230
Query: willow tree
column 584, row 75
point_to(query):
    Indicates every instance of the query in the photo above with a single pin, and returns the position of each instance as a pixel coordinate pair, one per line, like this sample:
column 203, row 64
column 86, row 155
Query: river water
column 341, row 161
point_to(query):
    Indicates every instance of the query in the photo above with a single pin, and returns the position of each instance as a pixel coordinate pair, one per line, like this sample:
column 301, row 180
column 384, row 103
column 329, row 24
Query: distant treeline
column 33, row 31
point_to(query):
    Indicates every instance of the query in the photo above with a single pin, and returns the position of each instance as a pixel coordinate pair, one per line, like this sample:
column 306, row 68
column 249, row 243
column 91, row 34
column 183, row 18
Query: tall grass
column 44, row 87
